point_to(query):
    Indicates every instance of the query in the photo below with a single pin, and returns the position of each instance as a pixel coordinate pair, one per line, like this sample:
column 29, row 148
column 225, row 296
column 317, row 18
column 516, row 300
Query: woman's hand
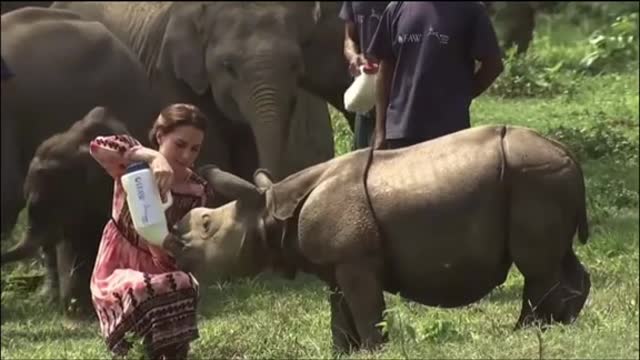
column 163, row 173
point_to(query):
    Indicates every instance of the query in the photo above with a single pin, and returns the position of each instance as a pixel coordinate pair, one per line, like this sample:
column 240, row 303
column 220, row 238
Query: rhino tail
column 583, row 226
column 583, row 223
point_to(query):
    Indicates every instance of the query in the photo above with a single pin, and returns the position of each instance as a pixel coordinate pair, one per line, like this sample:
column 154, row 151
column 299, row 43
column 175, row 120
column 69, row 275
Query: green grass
column 270, row 317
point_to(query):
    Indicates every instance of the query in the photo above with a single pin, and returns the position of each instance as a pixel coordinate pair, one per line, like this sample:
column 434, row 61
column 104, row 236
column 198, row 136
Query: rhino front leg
column 343, row 329
column 363, row 291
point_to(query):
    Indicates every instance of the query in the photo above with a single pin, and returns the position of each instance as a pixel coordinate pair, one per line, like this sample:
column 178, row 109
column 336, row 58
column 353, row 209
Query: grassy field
column 595, row 111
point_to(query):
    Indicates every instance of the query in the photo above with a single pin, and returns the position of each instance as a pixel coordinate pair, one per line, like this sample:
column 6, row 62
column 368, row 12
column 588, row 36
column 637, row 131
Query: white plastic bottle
column 360, row 97
column 145, row 205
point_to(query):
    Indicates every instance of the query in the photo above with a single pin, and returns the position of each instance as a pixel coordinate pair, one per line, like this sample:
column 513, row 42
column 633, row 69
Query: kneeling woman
column 136, row 287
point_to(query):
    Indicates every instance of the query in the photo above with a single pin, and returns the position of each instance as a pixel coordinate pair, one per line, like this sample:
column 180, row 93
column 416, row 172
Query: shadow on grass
column 240, row 296
column 505, row 294
column 52, row 333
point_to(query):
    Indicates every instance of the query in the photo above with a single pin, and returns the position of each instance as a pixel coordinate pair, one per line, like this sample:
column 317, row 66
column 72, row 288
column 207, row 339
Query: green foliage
column 576, row 12
column 597, row 141
column 528, row 76
column 614, row 46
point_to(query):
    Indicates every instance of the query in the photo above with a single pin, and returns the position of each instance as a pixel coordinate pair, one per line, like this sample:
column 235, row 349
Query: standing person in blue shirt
column 426, row 81
column 361, row 20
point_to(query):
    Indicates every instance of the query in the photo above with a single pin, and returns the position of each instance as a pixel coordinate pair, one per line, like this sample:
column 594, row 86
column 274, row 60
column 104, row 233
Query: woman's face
column 181, row 146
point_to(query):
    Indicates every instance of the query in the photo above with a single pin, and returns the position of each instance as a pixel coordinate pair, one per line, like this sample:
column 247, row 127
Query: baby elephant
column 68, row 202
column 441, row 224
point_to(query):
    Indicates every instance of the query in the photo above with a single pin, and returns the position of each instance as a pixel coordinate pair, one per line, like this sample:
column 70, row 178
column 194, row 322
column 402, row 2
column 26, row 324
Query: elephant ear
column 326, row 70
column 288, row 195
column 182, row 49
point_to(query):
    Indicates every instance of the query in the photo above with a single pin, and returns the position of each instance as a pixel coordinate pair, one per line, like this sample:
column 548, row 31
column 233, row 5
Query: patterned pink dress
column 136, row 286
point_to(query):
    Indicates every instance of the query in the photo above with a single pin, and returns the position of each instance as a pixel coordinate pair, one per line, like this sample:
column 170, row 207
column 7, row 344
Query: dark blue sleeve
column 346, row 13
column 6, row 72
column 380, row 47
column 484, row 42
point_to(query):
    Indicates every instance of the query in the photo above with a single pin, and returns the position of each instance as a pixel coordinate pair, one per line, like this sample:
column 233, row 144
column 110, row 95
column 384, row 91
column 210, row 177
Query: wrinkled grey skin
column 61, row 213
column 241, row 62
column 69, row 67
column 56, row 85
column 454, row 213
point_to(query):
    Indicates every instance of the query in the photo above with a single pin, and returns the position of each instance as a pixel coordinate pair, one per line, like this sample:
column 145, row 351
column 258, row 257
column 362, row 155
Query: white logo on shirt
column 444, row 39
column 417, row 37
column 409, row 38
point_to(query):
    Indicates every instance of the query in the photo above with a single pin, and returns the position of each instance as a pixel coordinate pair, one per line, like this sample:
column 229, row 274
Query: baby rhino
column 440, row 223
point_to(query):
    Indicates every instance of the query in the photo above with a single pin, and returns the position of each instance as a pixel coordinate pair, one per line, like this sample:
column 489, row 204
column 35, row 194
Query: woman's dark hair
column 174, row 116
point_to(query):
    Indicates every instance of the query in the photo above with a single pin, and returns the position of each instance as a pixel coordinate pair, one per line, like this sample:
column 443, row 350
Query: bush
column 614, row 46
column 528, row 76
column 598, row 141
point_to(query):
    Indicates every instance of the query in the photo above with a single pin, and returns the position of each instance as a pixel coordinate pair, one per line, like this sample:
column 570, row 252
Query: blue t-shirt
column 6, row 72
column 366, row 16
column 434, row 45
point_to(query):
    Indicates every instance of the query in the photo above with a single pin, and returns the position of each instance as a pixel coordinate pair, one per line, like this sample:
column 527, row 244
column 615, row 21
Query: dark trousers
column 365, row 124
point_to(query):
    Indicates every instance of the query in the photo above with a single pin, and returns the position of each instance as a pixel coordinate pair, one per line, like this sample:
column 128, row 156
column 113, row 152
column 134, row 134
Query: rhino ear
column 290, row 193
column 232, row 186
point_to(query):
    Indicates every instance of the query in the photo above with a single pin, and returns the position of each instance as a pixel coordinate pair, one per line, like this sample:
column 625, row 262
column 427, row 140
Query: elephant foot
column 78, row 310
column 49, row 291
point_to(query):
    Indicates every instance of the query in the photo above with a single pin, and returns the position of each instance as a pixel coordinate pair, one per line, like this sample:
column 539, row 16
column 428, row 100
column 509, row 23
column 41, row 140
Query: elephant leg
column 12, row 175
column 51, row 286
column 362, row 288
column 343, row 329
column 75, row 274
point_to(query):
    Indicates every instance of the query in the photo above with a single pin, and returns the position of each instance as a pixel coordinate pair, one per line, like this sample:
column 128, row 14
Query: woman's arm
column 116, row 152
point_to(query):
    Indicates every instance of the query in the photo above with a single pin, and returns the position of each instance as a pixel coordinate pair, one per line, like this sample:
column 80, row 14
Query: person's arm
column 352, row 51
column 381, row 50
column 485, row 49
column 114, row 153
column 383, row 89
column 490, row 69
column 351, row 48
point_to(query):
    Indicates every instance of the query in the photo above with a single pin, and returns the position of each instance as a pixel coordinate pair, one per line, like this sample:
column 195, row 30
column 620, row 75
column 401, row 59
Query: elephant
column 439, row 223
column 69, row 67
column 242, row 63
column 516, row 21
column 61, row 214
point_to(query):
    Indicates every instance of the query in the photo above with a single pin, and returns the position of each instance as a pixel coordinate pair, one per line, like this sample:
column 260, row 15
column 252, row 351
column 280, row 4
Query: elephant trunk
column 27, row 248
column 271, row 126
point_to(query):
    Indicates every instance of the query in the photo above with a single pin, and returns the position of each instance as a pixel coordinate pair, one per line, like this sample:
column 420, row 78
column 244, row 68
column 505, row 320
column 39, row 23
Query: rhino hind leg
column 363, row 292
column 558, row 297
column 343, row 329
